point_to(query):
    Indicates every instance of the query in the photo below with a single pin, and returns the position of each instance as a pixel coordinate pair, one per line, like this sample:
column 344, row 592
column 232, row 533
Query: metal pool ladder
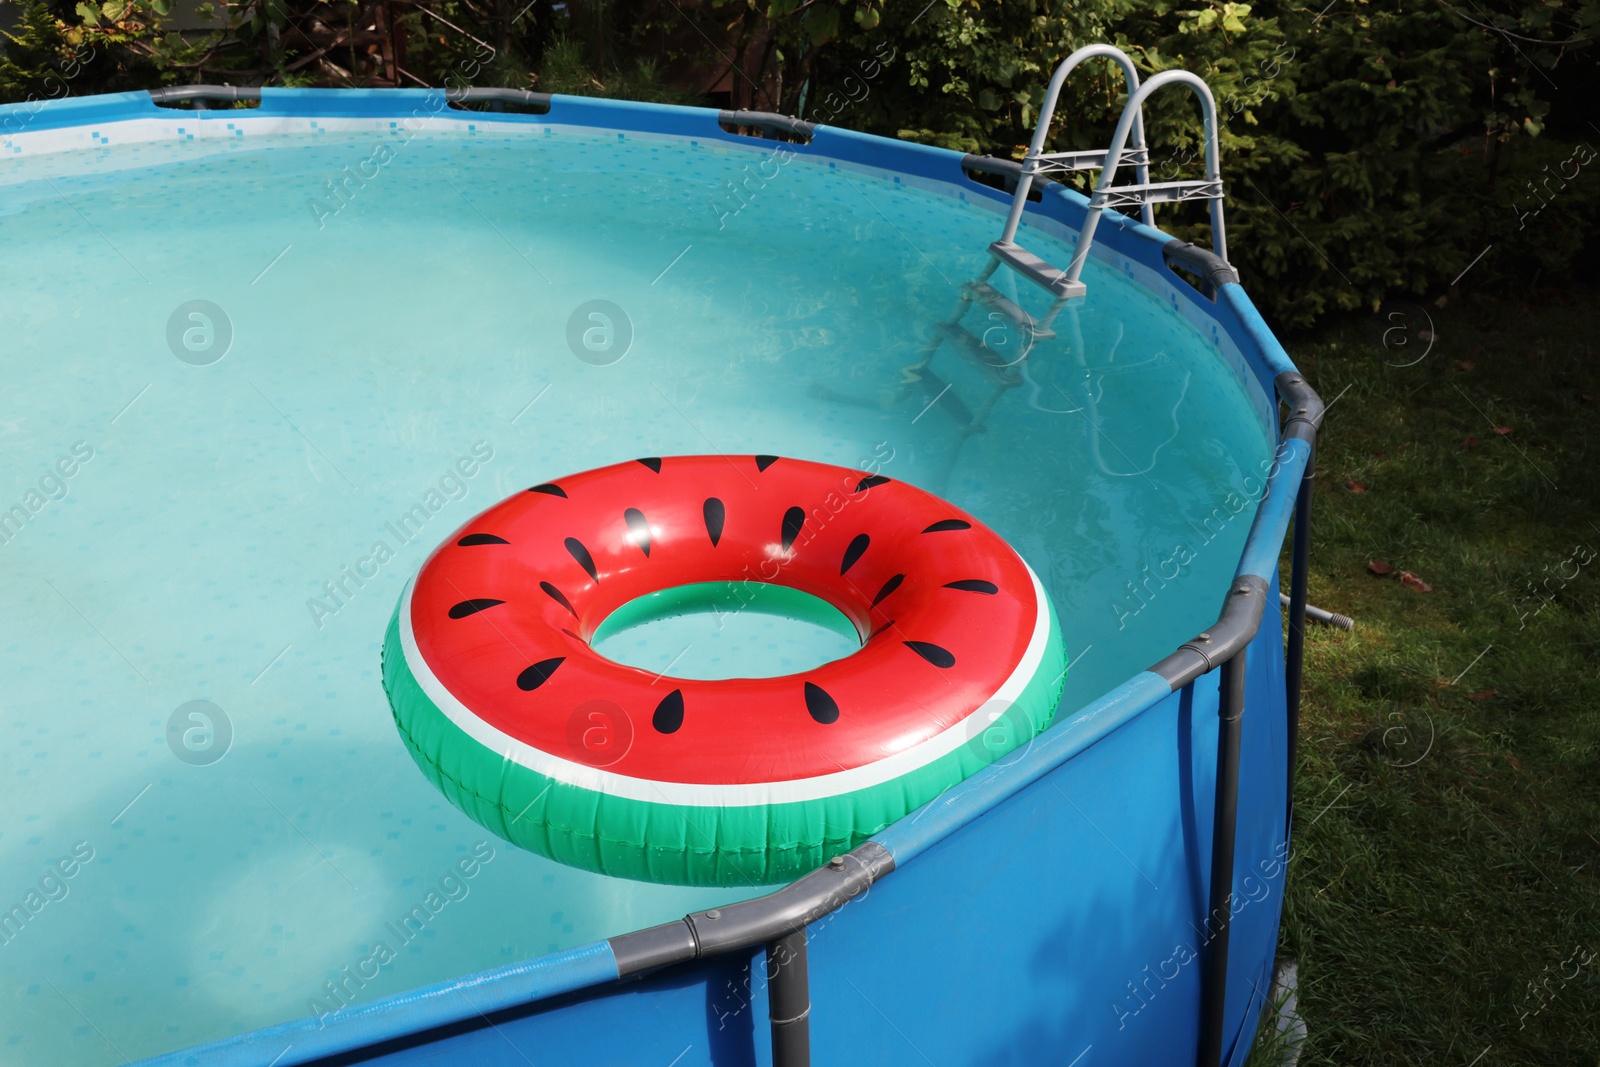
column 1128, row 147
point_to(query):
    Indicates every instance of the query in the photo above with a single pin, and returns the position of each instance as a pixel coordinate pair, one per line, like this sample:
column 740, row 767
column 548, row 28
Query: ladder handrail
column 1131, row 115
column 1047, row 112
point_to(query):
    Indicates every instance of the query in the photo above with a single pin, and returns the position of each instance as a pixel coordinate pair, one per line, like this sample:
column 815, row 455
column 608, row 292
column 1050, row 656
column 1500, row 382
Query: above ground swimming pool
column 261, row 361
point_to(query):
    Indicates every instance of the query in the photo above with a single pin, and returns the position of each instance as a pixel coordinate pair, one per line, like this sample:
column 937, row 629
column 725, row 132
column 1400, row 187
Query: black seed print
column 763, row 462
column 869, row 481
column 821, row 706
column 555, row 594
column 576, row 550
column 888, row 587
column 538, row 674
column 858, row 545
column 481, row 539
column 974, row 585
column 472, row 607
column 935, row 655
column 946, row 525
column 793, row 520
column 639, row 529
column 652, row 462
column 669, row 713
column 715, row 515
column 550, row 489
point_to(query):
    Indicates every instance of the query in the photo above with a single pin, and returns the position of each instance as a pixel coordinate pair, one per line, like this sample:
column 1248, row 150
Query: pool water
column 221, row 501
column 718, row 630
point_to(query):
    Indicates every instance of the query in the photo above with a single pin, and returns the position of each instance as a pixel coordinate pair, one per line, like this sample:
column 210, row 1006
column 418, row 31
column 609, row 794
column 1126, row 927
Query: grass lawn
column 1444, row 893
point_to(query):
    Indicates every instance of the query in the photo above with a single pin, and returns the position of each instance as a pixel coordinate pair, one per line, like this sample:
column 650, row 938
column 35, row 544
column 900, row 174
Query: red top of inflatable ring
column 503, row 613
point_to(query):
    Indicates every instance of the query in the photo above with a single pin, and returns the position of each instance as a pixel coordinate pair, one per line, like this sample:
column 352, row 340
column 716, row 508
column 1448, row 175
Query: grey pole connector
column 1322, row 615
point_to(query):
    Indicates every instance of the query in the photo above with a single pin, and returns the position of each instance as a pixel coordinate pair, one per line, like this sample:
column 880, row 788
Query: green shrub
column 1370, row 150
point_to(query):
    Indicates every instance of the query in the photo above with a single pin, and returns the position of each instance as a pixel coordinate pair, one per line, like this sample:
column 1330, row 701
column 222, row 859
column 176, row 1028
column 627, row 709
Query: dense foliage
column 1372, row 148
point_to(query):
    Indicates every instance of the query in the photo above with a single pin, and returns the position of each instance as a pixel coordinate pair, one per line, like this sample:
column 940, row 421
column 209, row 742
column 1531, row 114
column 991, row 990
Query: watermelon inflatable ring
column 504, row 703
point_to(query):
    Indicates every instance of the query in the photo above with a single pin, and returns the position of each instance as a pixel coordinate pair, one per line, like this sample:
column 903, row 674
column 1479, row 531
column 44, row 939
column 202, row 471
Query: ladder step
column 1089, row 159
column 994, row 300
column 1036, row 270
column 979, row 355
column 1158, row 193
column 935, row 388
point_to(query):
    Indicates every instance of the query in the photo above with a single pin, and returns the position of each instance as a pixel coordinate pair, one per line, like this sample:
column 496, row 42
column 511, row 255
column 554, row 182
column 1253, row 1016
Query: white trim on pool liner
column 209, row 129
column 694, row 794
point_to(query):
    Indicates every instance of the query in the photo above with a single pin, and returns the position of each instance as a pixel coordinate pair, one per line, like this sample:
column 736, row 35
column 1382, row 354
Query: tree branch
column 1568, row 43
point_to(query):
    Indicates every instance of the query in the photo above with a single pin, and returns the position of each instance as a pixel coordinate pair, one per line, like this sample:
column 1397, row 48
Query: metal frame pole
column 1295, row 660
column 1214, row 991
column 789, row 1000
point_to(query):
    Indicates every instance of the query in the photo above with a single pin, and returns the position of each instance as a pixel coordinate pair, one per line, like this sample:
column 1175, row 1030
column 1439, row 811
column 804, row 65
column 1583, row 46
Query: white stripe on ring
column 699, row 794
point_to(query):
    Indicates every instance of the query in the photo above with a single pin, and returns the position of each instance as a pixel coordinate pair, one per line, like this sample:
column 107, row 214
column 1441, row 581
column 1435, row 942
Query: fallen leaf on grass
column 1411, row 581
column 1355, row 486
column 1380, row 568
column 1516, row 764
column 1465, row 364
column 1503, row 431
column 1469, row 442
column 1483, row 694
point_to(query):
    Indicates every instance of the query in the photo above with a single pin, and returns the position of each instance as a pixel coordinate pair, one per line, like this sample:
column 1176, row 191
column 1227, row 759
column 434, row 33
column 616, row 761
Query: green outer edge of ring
column 673, row 844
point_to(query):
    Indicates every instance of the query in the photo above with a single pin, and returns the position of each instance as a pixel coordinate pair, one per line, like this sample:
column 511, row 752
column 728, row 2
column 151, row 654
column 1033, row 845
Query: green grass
column 1447, row 856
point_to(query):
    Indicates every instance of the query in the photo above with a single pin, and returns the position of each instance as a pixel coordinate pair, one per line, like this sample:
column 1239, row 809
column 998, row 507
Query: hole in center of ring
column 720, row 630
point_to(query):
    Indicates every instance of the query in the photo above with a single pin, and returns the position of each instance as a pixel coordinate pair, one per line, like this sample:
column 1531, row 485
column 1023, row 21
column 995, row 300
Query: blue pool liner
column 569, row 1003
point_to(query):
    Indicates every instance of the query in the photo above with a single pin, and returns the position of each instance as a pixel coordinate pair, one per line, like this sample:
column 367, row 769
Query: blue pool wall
column 1043, row 910
column 1050, row 924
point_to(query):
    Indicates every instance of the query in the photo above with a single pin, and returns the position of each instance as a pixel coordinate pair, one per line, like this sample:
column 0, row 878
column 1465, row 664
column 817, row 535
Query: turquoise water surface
column 200, row 501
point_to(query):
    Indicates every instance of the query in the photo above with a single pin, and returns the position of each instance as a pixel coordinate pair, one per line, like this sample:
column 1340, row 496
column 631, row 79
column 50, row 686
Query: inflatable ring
column 506, row 706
